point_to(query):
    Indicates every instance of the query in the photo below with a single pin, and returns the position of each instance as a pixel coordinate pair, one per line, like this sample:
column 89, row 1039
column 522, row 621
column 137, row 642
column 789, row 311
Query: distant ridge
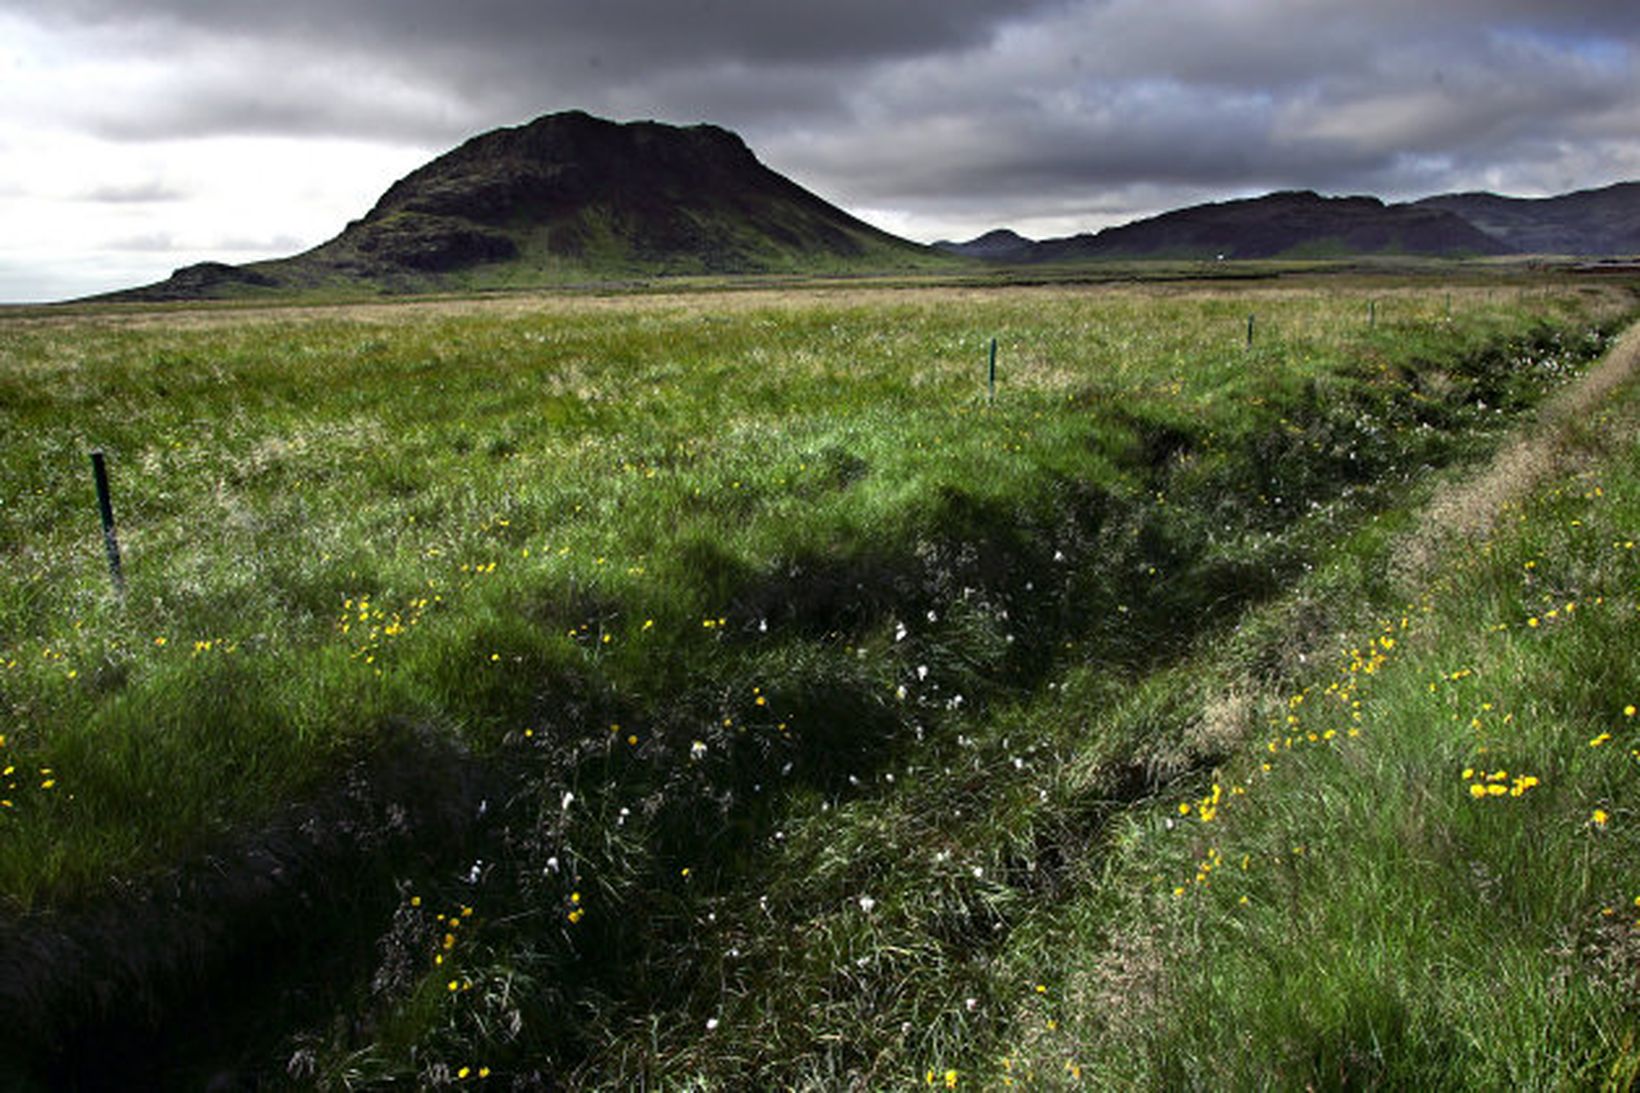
column 1293, row 224
column 1304, row 224
column 571, row 196
column 1596, row 223
column 1289, row 224
column 1001, row 244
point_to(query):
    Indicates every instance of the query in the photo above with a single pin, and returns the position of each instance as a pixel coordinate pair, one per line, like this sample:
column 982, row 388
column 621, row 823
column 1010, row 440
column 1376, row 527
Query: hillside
column 1292, row 224
column 1599, row 222
column 572, row 197
column 1303, row 224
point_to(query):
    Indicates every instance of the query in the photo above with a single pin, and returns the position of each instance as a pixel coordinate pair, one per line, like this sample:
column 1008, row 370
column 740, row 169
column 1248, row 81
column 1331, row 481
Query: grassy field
column 724, row 690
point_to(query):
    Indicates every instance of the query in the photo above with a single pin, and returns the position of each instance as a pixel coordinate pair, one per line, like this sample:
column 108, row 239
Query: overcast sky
column 137, row 136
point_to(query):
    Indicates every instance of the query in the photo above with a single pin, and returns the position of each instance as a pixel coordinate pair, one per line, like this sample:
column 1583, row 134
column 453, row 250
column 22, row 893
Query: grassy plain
column 721, row 690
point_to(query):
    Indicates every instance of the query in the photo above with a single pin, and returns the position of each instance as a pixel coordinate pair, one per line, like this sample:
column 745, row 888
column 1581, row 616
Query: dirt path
column 1467, row 509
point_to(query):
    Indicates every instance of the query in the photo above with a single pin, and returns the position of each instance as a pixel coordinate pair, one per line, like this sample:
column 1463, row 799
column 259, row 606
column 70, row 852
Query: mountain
column 1289, row 224
column 1588, row 222
column 1000, row 245
column 572, row 197
column 1303, row 224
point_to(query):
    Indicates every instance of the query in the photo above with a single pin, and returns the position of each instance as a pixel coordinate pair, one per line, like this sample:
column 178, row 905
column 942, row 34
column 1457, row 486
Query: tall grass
column 728, row 622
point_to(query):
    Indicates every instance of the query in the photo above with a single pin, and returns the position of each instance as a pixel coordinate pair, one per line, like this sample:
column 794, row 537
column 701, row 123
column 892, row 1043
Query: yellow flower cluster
column 451, row 925
column 14, row 781
column 378, row 625
column 1497, row 783
column 1207, row 807
column 1339, row 700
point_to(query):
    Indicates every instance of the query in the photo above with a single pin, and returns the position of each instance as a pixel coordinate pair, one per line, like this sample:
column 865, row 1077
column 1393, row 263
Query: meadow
column 729, row 690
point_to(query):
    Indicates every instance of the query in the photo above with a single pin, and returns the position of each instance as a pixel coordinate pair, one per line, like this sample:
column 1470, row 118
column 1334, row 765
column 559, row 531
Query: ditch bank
column 190, row 978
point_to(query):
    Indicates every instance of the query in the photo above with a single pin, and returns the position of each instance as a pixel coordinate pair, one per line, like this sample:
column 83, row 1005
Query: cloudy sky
column 141, row 135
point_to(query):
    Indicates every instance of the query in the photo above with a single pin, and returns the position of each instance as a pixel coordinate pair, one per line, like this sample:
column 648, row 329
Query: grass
column 1420, row 873
column 770, row 699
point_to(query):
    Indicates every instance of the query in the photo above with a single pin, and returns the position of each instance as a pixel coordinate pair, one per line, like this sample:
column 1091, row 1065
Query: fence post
column 1249, row 330
column 991, row 381
column 105, row 505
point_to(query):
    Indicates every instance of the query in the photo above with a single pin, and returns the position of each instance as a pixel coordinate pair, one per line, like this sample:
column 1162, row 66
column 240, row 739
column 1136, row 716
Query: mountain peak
column 556, row 159
column 998, row 244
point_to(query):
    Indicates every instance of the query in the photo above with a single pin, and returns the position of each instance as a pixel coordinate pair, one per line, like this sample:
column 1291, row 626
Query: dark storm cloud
column 501, row 58
column 617, row 32
column 956, row 109
column 1127, row 101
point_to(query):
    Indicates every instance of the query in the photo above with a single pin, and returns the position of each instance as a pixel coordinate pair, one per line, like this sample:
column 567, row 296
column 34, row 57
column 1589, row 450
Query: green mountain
column 567, row 198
